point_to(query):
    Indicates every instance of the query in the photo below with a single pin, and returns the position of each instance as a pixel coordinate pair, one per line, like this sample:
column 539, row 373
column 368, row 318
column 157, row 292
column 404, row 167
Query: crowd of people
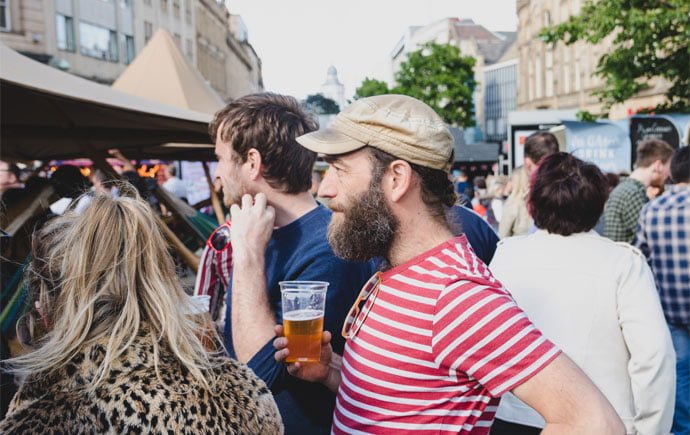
column 445, row 313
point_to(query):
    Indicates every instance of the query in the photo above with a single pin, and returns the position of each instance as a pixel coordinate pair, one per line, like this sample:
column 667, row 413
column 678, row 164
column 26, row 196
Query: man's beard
column 235, row 195
column 365, row 229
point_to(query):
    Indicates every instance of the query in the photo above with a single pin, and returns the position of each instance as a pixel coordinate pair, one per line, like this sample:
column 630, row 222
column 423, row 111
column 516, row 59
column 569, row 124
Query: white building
column 333, row 89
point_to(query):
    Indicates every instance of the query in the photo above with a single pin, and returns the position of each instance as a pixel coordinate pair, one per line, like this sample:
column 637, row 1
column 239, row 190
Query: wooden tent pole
column 214, row 196
column 15, row 218
column 187, row 255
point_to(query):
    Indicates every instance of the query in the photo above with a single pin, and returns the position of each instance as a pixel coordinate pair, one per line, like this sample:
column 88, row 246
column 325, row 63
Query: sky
column 297, row 40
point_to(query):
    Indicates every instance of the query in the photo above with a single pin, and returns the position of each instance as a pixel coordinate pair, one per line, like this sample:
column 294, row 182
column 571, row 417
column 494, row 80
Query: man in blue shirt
column 259, row 157
column 663, row 235
column 481, row 236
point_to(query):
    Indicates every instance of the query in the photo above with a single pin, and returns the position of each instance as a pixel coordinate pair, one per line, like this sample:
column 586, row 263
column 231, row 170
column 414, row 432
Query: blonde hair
column 520, row 182
column 107, row 275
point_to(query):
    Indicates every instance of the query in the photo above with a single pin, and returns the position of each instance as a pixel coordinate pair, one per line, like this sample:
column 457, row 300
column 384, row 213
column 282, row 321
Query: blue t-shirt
column 481, row 236
column 300, row 251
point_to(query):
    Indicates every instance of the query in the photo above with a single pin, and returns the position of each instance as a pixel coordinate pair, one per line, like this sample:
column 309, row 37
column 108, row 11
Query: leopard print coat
column 133, row 400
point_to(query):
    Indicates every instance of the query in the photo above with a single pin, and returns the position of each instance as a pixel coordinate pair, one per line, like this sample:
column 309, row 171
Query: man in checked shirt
column 663, row 235
column 625, row 201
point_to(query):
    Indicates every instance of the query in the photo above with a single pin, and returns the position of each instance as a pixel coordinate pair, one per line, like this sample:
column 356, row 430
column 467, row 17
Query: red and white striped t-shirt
column 442, row 342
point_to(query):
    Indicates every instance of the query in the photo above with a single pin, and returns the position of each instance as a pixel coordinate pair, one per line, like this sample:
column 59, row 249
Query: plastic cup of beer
column 303, row 307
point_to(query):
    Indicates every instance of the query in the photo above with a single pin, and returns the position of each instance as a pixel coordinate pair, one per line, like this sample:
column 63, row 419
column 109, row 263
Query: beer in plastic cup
column 303, row 307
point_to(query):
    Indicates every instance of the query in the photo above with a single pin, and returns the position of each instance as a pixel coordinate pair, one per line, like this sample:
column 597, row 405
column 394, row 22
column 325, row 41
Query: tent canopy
column 49, row 114
column 162, row 73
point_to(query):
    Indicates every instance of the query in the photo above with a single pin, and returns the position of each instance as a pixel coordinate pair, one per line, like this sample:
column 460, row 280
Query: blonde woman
column 515, row 219
column 119, row 354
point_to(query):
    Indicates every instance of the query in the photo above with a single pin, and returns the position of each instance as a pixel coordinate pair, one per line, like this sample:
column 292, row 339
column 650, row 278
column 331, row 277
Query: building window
column 98, row 42
column 176, row 8
column 148, row 31
column 188, row 11
column 566, row 70
column 578, row 80
column 491, row 127
column 537, row 78
column 128, row 49
column 64, row 29
column 164, row 6
column 501, row 122
column 548, row 79
column 5, row 21
column 530, row 81
column 190, row 49
column 178, row 40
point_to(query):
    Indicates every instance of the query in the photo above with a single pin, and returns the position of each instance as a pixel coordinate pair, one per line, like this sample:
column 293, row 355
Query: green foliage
column 651, row 38
column 586, row 116
column 371, row 87
column 438, row 75
column 321, row 105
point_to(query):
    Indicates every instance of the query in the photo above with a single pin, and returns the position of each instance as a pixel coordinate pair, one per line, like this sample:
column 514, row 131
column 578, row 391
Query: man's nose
column 328, row 188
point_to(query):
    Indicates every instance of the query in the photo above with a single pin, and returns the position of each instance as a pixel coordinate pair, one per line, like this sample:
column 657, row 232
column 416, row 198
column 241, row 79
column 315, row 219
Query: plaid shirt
column 663, row 235
column 623, row 210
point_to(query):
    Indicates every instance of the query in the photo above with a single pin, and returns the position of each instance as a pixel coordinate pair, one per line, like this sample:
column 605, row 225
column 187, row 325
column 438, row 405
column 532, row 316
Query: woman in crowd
column 594, row 298
column 515, row 219
column 118, row 353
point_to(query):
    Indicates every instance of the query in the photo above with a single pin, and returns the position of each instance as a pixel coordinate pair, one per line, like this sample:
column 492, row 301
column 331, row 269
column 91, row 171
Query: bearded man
column 434, row 340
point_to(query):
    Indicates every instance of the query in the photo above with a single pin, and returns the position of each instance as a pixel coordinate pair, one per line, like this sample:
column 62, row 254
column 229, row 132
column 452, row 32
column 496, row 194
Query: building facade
column 229, row 63
column 243, row 64
column 500, row 97
column 97, row 39
column 177, row 16
column 472, row 39
column 559, row 76
column 93, row 39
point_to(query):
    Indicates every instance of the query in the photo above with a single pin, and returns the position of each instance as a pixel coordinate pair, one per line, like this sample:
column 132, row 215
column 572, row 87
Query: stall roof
column 162, row 73
column 50, row 114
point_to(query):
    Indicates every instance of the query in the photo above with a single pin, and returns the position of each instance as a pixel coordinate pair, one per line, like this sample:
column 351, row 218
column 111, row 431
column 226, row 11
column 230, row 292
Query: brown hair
column 539, row 145
column 437, row 188
column 567, row 195
column 651, row 150
column 269, row 123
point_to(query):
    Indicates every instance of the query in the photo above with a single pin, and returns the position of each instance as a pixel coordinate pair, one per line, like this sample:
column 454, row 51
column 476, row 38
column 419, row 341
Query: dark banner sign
column 652, row 127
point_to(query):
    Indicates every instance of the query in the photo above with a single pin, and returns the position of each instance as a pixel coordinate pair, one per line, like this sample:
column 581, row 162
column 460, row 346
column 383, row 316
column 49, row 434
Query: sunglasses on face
column 220, row 238
column 354, row 321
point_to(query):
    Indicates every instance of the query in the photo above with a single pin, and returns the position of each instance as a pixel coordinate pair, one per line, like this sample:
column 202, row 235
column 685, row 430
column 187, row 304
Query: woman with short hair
column 594, row 298
column 119, row 353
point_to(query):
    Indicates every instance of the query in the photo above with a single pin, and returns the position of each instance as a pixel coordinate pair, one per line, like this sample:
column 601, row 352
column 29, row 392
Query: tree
column 438, row 75
column 321, row 105
column 371, row 87
column 651, row 38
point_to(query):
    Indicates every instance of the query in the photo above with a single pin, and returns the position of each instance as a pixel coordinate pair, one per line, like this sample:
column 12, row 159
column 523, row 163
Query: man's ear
column 529, row 165
column 253, row 163
column 400, row 179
